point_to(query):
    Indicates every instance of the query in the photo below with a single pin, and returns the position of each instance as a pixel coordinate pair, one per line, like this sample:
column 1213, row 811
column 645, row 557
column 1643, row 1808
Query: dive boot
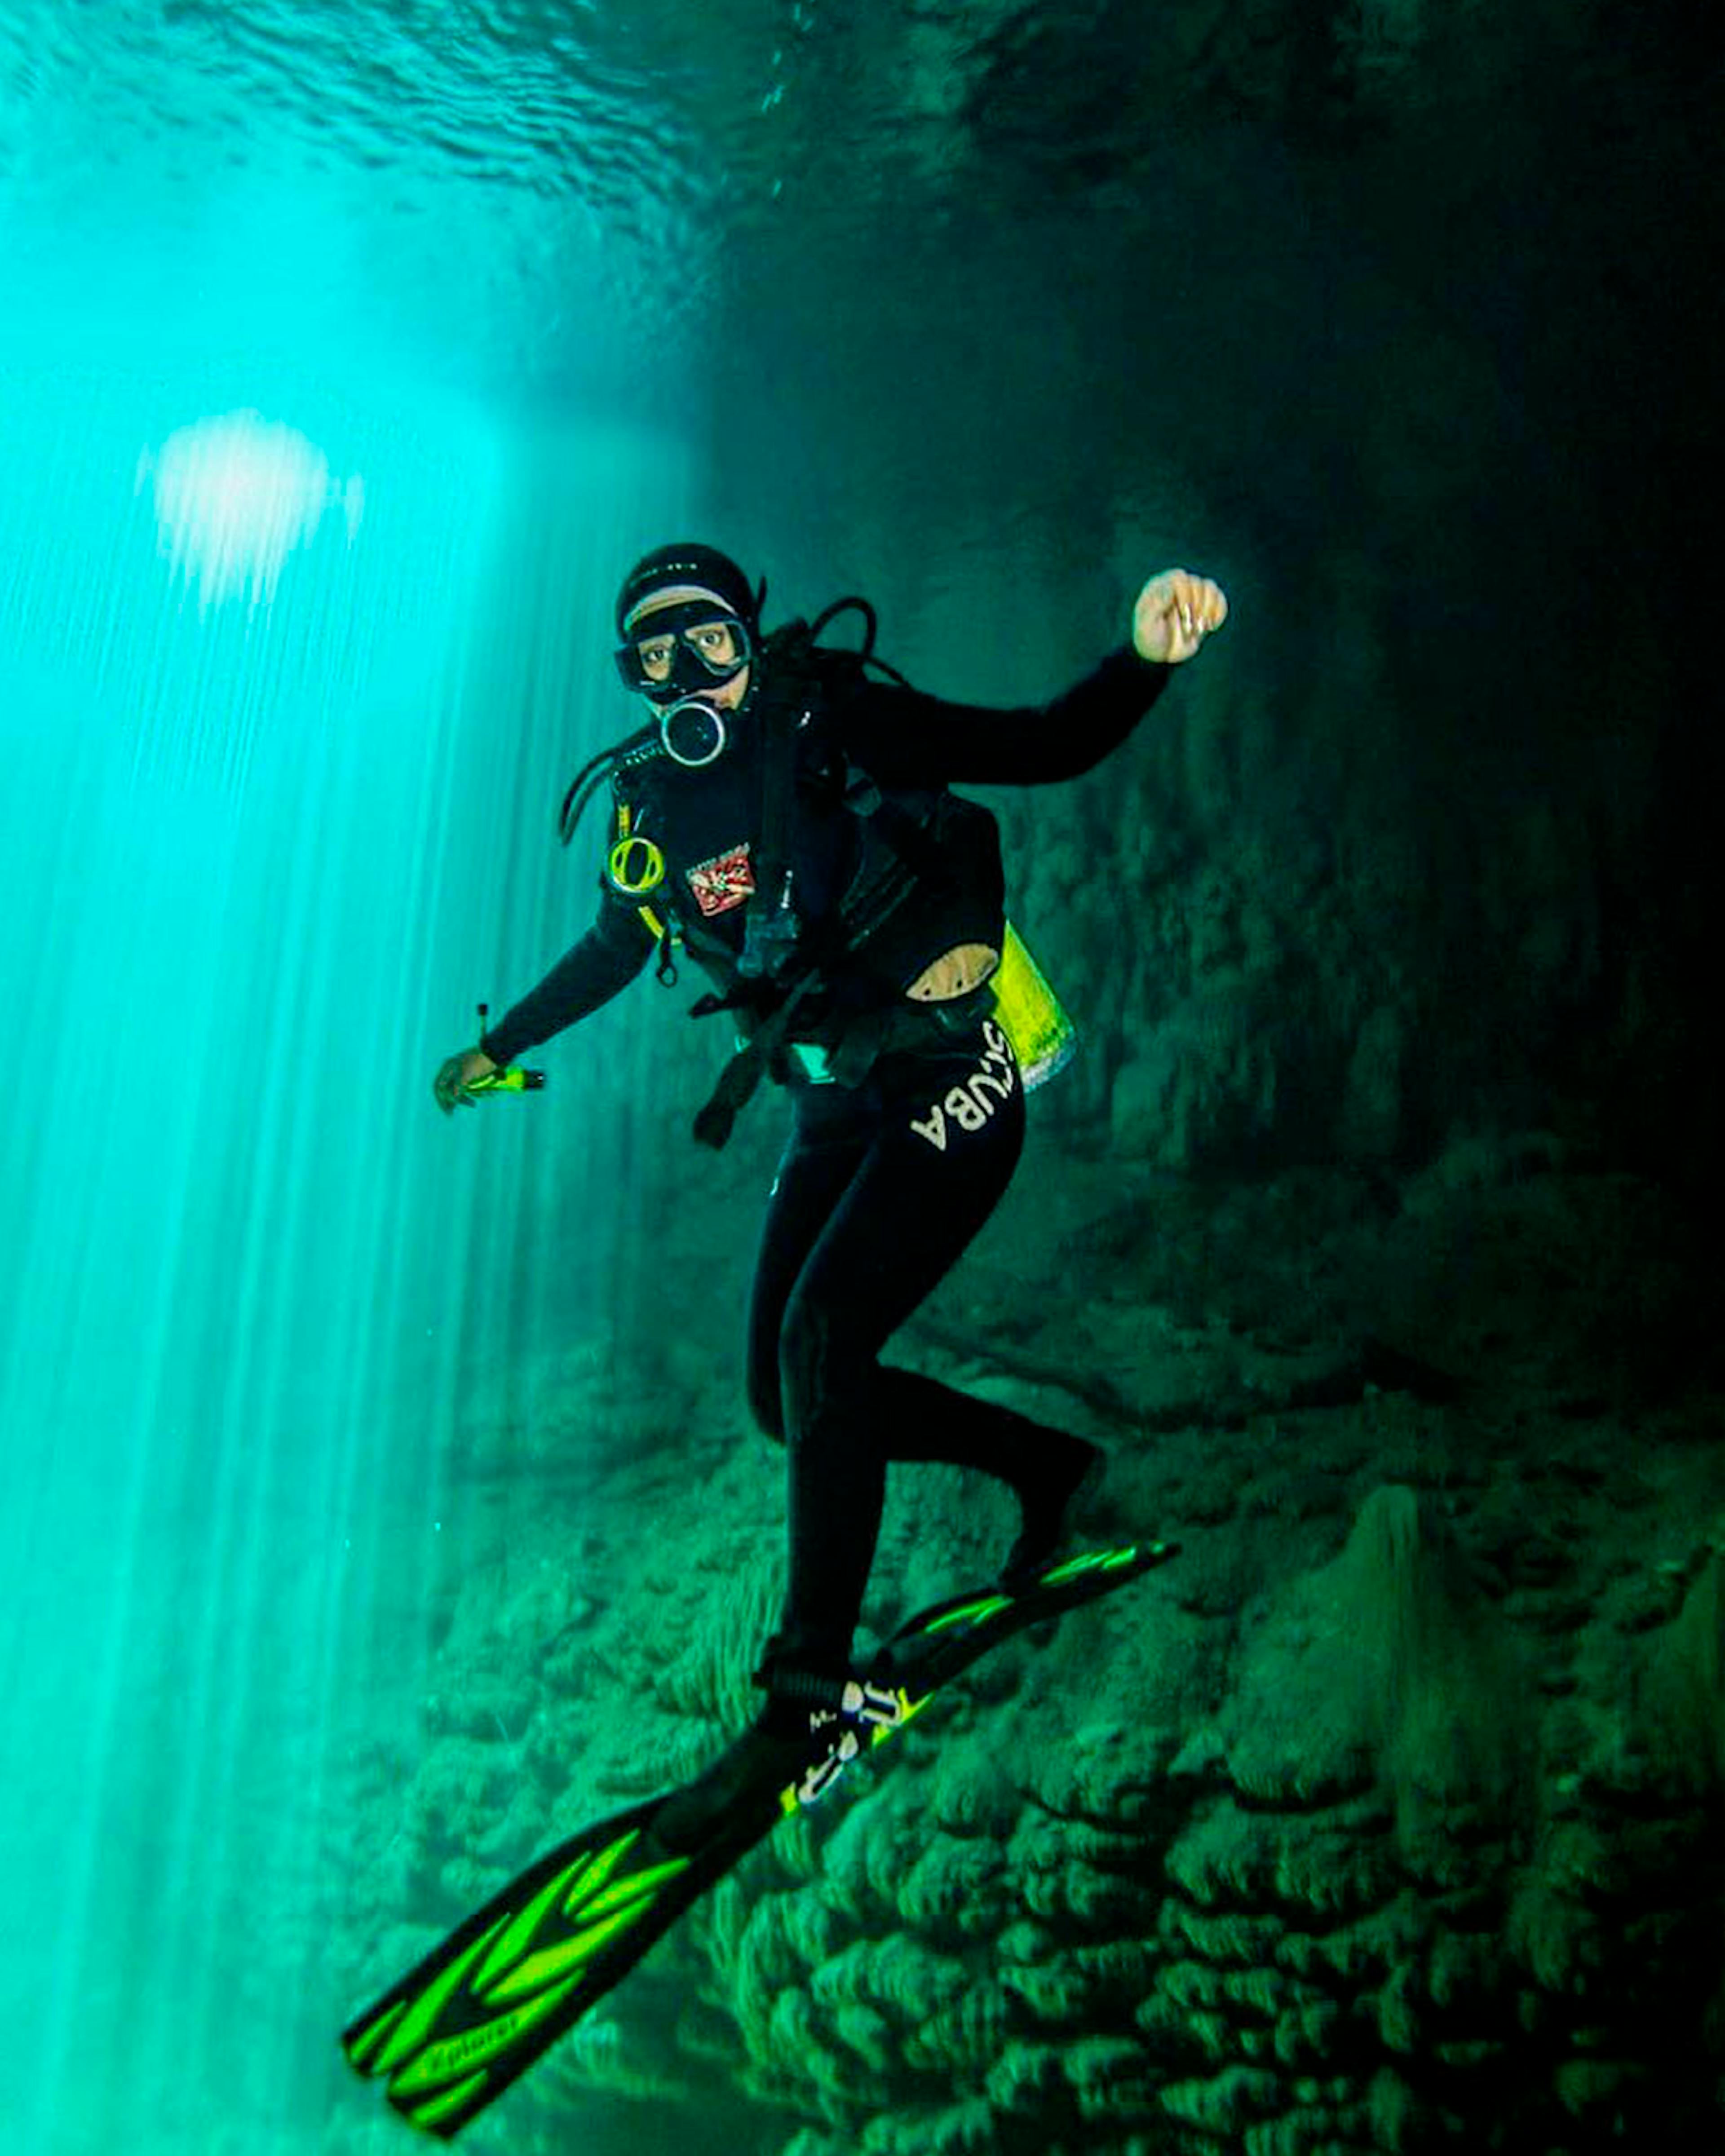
column 811, row 1729
column 1048, row 1507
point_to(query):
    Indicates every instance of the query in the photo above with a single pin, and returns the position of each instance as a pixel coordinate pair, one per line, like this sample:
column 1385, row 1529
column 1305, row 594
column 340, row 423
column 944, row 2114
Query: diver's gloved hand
column 1174, row 614
column 456, row 1074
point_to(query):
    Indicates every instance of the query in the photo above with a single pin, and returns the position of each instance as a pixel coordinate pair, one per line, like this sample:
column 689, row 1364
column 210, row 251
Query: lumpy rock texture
column 1385, row 1817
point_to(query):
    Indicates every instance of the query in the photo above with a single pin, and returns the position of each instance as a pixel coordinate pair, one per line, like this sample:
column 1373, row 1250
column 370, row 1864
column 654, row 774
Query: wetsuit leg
column 880, row 1193
column 828, row 1143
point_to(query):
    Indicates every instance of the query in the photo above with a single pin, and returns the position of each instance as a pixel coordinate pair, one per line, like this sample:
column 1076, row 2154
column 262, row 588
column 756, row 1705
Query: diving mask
column 679, row 650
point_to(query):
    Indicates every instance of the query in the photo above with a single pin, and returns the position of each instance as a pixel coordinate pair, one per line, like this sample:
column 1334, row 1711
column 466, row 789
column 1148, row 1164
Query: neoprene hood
column 701, row 568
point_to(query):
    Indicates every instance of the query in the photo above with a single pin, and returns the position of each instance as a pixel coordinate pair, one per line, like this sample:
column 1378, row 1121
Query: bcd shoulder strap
column 803, row 676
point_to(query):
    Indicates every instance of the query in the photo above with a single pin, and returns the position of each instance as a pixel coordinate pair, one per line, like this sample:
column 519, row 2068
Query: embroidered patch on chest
column 723, row 882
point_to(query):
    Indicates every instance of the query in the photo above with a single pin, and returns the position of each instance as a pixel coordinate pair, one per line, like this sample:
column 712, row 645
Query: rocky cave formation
column 1385, row 1818
column 1370, row 1231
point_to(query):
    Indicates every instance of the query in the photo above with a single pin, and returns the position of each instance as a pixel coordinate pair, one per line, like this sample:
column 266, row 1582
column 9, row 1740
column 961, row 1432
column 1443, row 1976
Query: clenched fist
column 1174, row 614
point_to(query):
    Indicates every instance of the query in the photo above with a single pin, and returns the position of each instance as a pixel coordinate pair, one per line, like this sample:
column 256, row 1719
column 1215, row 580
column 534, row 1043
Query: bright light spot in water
column 235, row 495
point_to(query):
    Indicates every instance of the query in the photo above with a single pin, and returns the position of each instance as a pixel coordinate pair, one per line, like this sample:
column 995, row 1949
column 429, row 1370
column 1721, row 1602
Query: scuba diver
column 785, row 818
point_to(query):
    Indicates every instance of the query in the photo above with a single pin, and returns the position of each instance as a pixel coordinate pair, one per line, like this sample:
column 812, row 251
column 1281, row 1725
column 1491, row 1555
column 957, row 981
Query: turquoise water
column 258, row 846
column 276, row 672
column 347, row 350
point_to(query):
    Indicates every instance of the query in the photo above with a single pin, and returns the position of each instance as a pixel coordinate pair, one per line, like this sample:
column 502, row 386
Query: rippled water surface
column 508, row 167
column 902, row 220
column 1402, row 318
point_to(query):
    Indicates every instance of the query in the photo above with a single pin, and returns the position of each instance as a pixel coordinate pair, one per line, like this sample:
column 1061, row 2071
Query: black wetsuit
column 887, row 1176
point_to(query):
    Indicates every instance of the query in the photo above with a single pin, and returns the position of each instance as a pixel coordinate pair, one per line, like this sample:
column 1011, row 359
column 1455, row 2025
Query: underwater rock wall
column 1313, row 298
column 1259, row 979
column 1433, row 1869
column 1384, row 1819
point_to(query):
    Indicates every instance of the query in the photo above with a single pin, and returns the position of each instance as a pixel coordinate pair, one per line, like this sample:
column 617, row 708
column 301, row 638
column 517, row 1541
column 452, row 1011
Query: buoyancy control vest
column 919, row 874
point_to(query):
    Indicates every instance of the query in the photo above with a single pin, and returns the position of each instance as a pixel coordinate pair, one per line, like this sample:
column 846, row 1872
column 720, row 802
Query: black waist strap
column 748, row 1066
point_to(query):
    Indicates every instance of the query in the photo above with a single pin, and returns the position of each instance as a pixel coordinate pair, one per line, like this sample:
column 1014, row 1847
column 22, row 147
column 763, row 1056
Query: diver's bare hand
column 457, row 1074
column 1174, row 614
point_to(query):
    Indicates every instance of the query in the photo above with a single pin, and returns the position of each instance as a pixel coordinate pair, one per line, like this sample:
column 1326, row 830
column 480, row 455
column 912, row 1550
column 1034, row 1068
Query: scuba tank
column 1029, row 1012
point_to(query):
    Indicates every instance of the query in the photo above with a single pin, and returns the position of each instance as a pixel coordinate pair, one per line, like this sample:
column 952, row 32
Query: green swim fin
column 464, row 2024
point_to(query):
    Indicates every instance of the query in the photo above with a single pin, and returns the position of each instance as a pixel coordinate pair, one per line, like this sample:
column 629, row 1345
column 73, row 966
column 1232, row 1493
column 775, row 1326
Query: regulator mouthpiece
column 693, row 732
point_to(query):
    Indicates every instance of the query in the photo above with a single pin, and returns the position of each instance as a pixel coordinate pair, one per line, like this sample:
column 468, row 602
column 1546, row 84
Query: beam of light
column 235, row 495
column 265, row 859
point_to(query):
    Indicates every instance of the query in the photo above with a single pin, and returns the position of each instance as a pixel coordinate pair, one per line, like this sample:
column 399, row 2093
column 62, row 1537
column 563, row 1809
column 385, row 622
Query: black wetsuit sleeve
column 902, row 737
column 589, row 974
